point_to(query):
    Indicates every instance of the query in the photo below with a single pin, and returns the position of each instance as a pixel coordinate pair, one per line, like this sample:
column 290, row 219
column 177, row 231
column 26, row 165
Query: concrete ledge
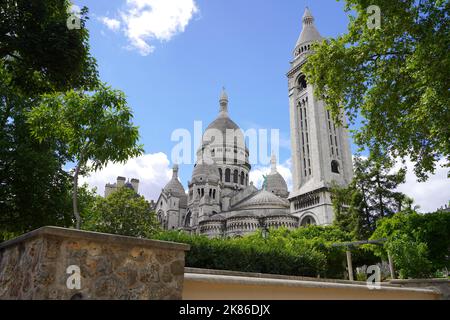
column 224, row 287
column 424, row 281
column 274, row 276
column 441, row 285
column 94, row 236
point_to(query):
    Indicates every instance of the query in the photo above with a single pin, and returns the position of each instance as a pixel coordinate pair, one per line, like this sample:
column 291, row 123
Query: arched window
column 246, row 179
column 242, row 178
column 220, row 174
column 227, row 175
column 334, row 166
column 236, row 176
column 187, row 220
column 214, row 194
column 302, row 82
column 307, row 221
column 160, row 216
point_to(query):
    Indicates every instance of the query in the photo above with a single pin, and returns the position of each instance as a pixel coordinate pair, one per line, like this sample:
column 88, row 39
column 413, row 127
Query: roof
column 274, row 181
column 222, row 123
column 175, row 187
column 309, row 32
column 263, row 200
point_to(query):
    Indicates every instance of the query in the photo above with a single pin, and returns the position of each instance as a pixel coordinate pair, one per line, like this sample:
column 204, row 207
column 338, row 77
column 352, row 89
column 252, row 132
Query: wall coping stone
column 94, row 236
column 430, row 281
column 240, row 280
column 277, row 276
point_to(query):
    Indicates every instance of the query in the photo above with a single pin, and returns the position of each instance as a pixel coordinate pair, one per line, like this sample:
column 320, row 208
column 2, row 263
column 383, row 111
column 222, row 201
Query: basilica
column 222, row 202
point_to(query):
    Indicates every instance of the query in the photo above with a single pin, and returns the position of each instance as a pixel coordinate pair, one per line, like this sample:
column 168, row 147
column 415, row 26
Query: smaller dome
column 175, row 188
column 223, row 123
column 206, row 171
column 275, row 182
column 129, row 186
column 264, row 200
column 277, row 185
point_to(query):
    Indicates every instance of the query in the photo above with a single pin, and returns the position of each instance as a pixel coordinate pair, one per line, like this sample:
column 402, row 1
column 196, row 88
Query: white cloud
column 257, row 173
column 74, row 9
column 429, row 195
column 147, row 20
column 112, row 24
column 153, row 171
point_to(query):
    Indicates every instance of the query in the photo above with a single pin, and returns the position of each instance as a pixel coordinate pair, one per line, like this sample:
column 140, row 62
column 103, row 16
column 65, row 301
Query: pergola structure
column 349, row 245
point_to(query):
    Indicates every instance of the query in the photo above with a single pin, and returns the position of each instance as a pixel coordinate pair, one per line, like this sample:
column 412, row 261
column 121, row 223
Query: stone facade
column 321, row 152
column 121, row 182
column 221, row 202
column 219, row 192
column 34, row 266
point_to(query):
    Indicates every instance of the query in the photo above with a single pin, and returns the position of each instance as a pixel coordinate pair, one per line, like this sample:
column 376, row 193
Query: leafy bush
column 302, row 252
column 123, row 212
column 418, row 243
column 275, row 255
column 410, row 257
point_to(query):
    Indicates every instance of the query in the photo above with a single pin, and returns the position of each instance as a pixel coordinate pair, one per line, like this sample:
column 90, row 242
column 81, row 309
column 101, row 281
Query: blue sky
column 245, row 46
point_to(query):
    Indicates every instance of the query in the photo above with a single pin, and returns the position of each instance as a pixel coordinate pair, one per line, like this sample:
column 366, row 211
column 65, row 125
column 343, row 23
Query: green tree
column 369, row 197
column 38, row 49
column 351, row 214
column 394, row 77
column 123, row 212
column 38, row 54
column 409, row 256
column 95, row 128
column 412, row 236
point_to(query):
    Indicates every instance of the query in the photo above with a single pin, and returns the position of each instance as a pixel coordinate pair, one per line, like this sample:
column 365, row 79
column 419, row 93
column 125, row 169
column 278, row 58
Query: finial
column 273, row 162
column 223, row 101
column 175, row 171
column 308, row 19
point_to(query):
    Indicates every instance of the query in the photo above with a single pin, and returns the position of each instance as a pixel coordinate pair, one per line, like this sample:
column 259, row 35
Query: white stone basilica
column 221, row 201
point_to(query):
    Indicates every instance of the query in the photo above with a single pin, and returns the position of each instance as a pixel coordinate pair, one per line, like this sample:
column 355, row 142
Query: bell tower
column 321, row 152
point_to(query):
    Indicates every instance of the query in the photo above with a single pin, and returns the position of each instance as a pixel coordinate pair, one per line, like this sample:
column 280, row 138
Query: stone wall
column 35, row 266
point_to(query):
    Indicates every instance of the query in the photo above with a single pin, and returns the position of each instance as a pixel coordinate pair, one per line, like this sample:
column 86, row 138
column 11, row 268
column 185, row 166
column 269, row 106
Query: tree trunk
column 380, row 196
column 366, row 209
column 75, row 196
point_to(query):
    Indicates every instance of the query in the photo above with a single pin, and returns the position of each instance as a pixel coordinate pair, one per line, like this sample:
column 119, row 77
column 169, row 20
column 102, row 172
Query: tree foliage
column 38, row 54
column 302, row 252
column 38, row 49
column 395, row 77
column 123, row 212
column 369, row 197
column 95, row 128
column 419, row 243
